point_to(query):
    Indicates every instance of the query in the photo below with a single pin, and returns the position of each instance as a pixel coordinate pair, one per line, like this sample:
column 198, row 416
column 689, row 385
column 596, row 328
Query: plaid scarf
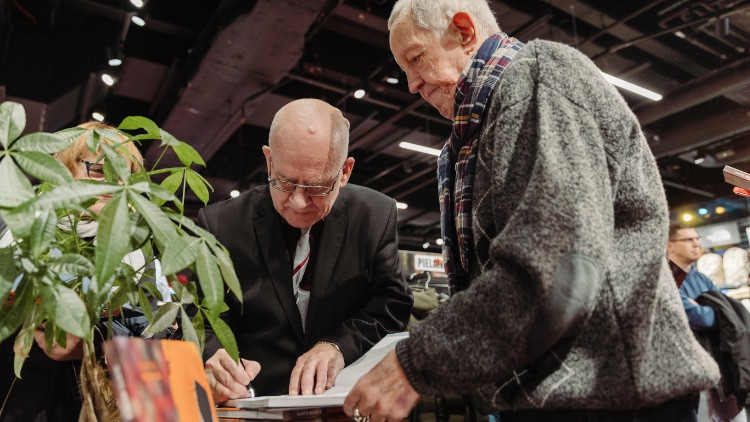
column 455, row 189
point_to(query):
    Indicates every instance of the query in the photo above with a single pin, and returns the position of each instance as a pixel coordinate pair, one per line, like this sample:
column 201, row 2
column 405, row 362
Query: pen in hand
column 249, row 386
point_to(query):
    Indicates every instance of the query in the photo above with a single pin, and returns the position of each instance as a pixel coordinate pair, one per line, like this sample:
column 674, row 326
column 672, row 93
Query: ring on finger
column 357, row 417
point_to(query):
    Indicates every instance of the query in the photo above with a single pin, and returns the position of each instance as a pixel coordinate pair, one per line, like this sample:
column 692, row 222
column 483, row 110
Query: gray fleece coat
column 571, row 302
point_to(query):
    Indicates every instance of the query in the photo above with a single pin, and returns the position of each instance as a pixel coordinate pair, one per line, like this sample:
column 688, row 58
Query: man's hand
column 382, row 394
column 229, row 380
column 73, row 349
column 317, row 368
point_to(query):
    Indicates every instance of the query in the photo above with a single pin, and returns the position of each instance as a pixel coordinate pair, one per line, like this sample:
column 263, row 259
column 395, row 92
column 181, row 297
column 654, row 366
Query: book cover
column 159, row 380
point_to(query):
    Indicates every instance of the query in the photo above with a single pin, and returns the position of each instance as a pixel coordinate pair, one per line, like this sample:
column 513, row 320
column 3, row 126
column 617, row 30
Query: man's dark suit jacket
column 358, row 291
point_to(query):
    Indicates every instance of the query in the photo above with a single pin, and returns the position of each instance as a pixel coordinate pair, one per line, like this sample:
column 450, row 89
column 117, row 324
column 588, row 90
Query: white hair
column 436, row 15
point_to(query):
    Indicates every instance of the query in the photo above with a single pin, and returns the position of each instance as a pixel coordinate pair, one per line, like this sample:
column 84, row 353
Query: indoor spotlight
column 425, row 245
column 720, row 210
column 108, row 79
column 137, row 3
column 702, row 211
column 419, row 148
column 138, row 20
column 687, row 217
column 651, row 95
column 359, row 93
column 401, row 205
column 99, row 117
column 234, row 193
column 115, row 61
column 439, row 241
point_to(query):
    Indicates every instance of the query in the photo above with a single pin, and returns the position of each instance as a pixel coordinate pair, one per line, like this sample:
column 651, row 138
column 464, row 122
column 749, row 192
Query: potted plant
column 52, row 279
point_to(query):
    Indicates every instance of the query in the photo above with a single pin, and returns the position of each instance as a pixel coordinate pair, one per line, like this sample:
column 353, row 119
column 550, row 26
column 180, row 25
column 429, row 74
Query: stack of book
column 314, row 414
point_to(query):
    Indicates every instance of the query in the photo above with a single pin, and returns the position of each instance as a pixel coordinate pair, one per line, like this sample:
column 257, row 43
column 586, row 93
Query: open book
column 335, row 396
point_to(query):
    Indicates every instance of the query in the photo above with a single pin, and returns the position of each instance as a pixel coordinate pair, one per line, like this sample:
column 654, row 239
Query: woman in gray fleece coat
column 555, row 226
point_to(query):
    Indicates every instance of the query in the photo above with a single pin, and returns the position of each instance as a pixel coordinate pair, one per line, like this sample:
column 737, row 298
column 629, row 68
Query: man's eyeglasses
column 94, row 170
column 686, row 239
column 288, row 187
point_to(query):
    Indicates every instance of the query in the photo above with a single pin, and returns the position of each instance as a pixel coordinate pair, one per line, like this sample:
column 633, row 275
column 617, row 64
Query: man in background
column 683, row 250
column 317, row 260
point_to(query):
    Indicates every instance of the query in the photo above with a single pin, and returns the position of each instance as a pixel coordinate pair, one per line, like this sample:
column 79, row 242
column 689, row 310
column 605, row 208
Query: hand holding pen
column 229, row 379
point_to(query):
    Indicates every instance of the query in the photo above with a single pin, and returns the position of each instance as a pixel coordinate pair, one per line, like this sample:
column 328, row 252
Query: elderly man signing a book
column 317, row 260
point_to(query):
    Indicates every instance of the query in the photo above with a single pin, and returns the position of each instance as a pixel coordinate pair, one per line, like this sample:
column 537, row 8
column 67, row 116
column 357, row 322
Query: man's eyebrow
column 316, row 182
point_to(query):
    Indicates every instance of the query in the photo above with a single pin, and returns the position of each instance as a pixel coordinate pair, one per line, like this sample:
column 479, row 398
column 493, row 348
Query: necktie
column 301, row 258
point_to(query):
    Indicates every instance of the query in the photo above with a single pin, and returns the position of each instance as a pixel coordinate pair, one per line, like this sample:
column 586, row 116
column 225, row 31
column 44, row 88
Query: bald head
column 316, row 118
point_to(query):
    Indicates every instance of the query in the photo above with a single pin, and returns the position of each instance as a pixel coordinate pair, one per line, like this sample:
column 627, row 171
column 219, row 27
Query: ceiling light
column 392, row 80
column 99, row 117
column 359, row 93
column 425, row 245
column 114, row 62
column 439, row 241
column 702, row 211
column 699, row 160
column 720, row 210
column 401, row 205
column 234, row 193
column 679, row 34
column 687, row 217
column 651, row 95
column 108, row 79
column 138, row 20
column 137, row 3
column 419, row 148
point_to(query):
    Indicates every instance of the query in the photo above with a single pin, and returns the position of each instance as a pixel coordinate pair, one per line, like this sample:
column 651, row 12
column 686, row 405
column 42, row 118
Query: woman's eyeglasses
column 94, row 171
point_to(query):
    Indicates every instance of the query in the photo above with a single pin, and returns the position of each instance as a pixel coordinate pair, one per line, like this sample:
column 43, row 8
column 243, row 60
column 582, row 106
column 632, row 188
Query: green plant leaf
column 70, row 134
column 21, row 348
column 15, row 187
column 145, row 305
column 8, row 272
column 12, row 122
column 42, row 232
column 163, row 318
column 157, row 220
column 209, row 276
column 168, row 139
column 48, row 143
column 227, row 272
column 187, row 154
column 140, row 122
column 43, row 167
column 117, row 161
column 188, row 331
column 197, row 186
column 190, row 225
column 224, row 334
column 112, row 240
column 70, row 194
column 13, row 315
column 71, row 264
column 179, row 254
column 68, row 310
column 173, row 181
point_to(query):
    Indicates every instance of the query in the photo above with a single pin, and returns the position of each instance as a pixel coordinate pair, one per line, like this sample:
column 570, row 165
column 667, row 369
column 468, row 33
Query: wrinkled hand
column 73, row 349
column 317, row 368
column 383, row 394
column 228, row 379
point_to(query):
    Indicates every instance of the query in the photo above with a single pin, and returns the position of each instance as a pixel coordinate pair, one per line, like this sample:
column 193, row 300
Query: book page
column 335, row 396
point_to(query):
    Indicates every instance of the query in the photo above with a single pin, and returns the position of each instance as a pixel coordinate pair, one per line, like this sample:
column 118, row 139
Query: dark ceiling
column 213, row 73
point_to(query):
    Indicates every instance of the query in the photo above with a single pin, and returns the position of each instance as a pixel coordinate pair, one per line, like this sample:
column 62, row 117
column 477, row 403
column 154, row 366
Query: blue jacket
column 696, row 283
